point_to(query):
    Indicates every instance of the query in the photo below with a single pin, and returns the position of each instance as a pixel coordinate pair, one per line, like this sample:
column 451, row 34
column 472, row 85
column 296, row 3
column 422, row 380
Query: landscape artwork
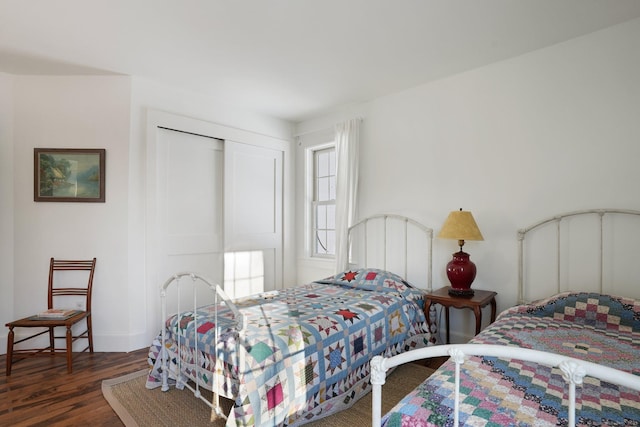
column 69, row 175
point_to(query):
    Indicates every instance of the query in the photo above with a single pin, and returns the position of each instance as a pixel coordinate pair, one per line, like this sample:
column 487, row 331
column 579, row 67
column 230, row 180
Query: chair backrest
column 79, row 288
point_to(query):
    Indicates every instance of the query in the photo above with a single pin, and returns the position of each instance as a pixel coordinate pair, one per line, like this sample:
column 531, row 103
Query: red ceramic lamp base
column 461, row 272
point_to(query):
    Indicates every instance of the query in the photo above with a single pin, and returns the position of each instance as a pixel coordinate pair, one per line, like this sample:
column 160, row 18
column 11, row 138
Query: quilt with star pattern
column 306, row 351
column 602, row 329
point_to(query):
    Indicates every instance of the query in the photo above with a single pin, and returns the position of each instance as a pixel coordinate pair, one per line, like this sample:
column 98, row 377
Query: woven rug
column 138, row 407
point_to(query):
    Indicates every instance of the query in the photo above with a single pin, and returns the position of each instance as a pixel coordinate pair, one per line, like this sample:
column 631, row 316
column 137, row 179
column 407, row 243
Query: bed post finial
column 378, row 370
column 378, row 376
column 573, row 374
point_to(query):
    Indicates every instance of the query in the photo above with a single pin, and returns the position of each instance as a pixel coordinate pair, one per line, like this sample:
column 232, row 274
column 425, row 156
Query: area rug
column 138, row 407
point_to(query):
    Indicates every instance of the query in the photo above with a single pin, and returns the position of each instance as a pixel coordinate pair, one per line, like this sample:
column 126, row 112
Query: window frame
column 312, row 177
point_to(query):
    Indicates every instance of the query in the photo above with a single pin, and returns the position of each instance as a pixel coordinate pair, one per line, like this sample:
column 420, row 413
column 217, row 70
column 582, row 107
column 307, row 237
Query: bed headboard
column 395, row 243
column 588, row 250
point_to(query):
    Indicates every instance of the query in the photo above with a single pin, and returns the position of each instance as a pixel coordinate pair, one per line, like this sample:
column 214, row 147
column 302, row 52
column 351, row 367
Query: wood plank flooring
column 39, row 392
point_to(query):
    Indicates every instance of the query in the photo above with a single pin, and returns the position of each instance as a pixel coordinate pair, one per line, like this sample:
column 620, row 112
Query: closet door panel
column 253, row 182
column 253, row 197
column 189, row 208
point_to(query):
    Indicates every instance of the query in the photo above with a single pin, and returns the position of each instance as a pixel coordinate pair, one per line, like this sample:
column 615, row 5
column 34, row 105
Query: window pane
column 321, row 217
column 331, row 242
column 331, row 216
column 323, row 189
column 332, row 188
column 332, row 162
column 321, row 242
column 323, row 164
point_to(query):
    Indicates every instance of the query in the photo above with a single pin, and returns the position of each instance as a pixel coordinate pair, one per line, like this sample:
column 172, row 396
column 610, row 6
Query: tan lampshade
column 460, row 225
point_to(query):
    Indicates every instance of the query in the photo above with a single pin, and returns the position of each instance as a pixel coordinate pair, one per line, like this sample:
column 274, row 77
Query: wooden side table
column 479, row 300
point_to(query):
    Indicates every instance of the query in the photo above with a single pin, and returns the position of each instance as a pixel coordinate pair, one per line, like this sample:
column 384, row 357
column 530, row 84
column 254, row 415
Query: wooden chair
column 56, row 291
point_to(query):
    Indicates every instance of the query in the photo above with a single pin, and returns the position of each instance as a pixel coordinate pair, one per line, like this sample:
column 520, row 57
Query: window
column 323, row 239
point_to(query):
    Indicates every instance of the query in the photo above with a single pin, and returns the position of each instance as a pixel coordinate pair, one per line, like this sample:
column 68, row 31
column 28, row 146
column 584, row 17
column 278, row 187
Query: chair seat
column 39, row 322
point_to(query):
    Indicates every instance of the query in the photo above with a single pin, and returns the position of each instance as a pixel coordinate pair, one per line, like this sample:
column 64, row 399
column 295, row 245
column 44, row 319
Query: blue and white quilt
column 307, row 349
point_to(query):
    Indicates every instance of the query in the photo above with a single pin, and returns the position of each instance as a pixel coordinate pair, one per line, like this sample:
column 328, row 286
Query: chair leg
column 90, row 333
column 52, row 340
column 69, row 349
column 9, row 351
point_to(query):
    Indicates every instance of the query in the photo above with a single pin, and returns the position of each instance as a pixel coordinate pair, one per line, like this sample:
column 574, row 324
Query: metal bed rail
column 573, row 370
column 385, row 221
column 557, row 220
column 220, row 297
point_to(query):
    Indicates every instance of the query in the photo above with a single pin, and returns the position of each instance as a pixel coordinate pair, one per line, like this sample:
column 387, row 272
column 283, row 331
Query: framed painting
column 68, row 175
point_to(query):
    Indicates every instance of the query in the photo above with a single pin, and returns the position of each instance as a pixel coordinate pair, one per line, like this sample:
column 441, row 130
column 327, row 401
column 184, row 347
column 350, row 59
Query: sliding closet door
column 253, row 181
column 190, row 197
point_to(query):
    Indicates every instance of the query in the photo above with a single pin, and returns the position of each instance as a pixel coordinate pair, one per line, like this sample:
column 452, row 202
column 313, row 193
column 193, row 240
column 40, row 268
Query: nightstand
column 476, row 303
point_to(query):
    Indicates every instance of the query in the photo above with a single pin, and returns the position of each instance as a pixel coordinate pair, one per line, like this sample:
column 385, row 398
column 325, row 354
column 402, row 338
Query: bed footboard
column 193, row 282
column 573, row 370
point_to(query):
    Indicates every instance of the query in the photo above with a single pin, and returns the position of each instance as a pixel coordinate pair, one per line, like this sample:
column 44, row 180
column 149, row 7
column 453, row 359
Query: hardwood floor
column 39, row 392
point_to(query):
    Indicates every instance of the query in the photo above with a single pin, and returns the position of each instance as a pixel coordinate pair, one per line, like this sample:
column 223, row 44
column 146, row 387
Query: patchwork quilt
column 499, row 392
column 306, row 351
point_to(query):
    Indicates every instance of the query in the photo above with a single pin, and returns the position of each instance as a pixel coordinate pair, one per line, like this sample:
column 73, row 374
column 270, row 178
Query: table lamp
column 461, row 271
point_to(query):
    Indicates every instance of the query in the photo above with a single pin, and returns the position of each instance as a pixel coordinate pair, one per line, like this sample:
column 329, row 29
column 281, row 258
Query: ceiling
column 291, row 59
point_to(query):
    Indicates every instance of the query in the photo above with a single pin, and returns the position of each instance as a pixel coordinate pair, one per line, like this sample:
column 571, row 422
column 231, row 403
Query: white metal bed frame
column 574, row 370
column 180, row 280
column 386, row 219
column 219, row 297
column 557, row 219
column 405, row 221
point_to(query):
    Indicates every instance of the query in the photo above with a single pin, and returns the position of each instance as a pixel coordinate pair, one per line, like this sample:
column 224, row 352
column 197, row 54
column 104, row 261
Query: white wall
column 554, row 130
column 6, row 200
column 92, row 112
column 71, row 112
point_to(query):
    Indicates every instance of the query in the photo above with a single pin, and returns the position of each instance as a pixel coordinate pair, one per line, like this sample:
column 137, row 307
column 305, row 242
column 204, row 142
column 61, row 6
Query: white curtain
column 347, row 142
